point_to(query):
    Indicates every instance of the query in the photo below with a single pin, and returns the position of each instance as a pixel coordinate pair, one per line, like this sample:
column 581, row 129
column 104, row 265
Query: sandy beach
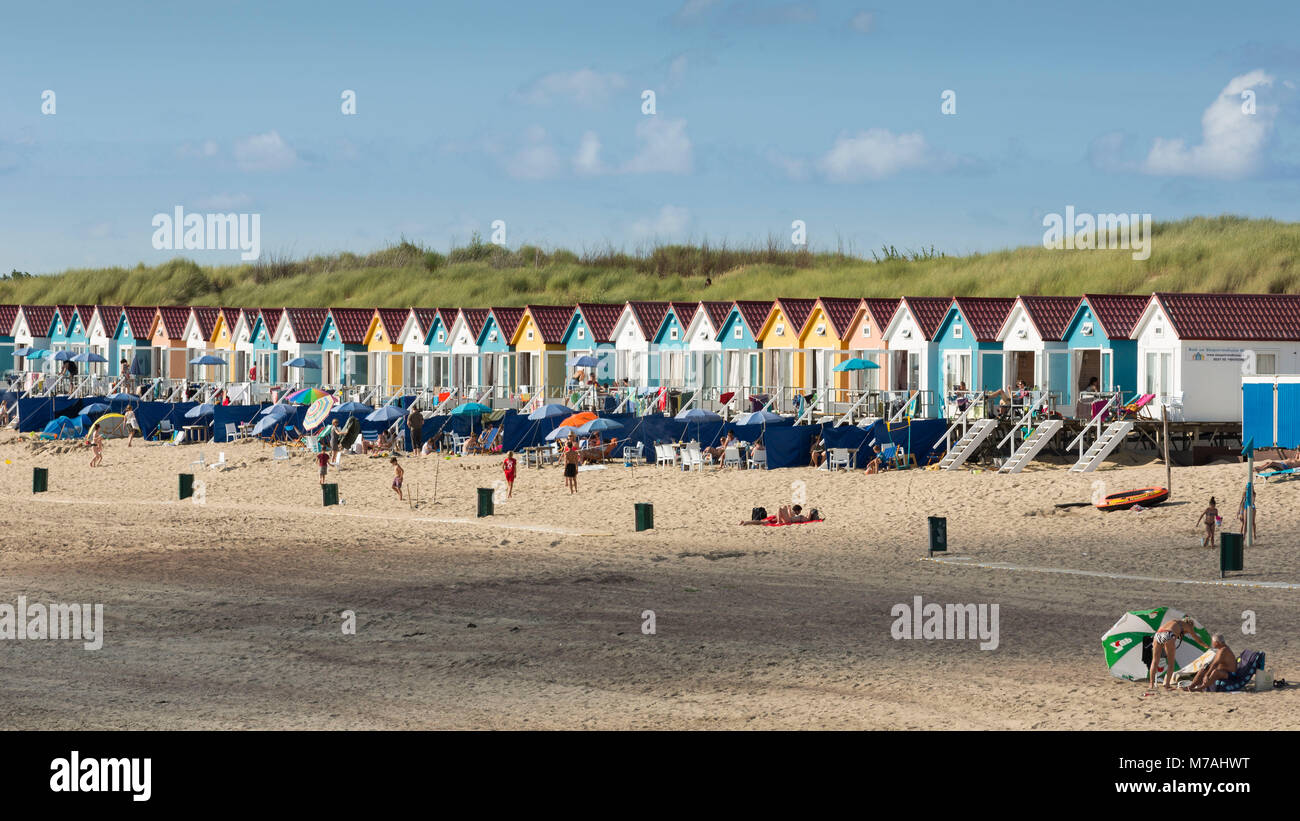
column 225, row 612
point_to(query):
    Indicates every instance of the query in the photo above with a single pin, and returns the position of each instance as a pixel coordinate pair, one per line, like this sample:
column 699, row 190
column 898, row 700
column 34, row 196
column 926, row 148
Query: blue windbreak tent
column 64, row 427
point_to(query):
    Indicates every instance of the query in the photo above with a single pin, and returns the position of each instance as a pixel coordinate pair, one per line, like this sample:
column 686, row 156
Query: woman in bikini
column 1166, row 641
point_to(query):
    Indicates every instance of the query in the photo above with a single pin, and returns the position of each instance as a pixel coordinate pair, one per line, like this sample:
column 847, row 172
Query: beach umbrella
column 698, row 415
column 199, row 411
column 855, row 364
column 63, row 356
column 559, row 433
column 24, row 351
column 584, row 362
column 110, row 426
column 280, row 410
column 98, row 407
column 306, row 396
column 129, row 398
column 759, row 418
column 387, row 413
column 578, row 419
column 88, row 356
column 353, row 408
column 207, row 359
column 39, row 353
column 600, row 425
column 550, row 411
column 317, row 412
column 302, row 362
column 267, row 424
column 470, row 409
column 1125, row 649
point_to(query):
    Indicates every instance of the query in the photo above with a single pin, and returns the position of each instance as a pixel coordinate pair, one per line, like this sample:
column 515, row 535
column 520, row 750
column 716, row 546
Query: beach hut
column 1099, row 339
column 633, row 337
column 167, row 336
column 591, row 333
column 297, row 335
column 866, row 340
column 101, row 338
column 199, row 327
column 671, row 347
column 742, row 359
column 913, row 352
column 463, row 339
column 704, row 365
column 224, row 343
column 1193, row 349
column 783, row 363
column 33, row 329
column 1034, row 347
column 69, row 331
column 344, row 355
column 539, row 344
column 414, row 339
column 133, row 335
column 497, row 356
column 266, row 353
column 8, row 318
column 825, row 339
column 438, row 340
column 969, row 351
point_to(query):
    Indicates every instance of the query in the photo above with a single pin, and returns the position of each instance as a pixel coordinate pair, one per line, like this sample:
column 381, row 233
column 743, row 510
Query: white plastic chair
column 220, row 463
column 664, row 455
column 199, row 461
column 692, row 458
column 758, row 459
column 280, row 453
column 633, row 454
column 731, row 456
column 839, row 458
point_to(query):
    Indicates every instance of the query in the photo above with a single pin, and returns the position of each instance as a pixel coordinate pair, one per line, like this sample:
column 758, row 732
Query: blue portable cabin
column 134, row 342
column 1099, row 339
column 591, row 333
column 969, row 350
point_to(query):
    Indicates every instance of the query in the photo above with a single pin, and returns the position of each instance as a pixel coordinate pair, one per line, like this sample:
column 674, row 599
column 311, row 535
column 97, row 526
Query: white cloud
column 1232, row 141
column 875, row 154
column 264, row 152
column 671, row 221
column 584, row 86
column 587, row 161
column 663, row 146
column 693, row 10
column 536, row 160
column 863, row 22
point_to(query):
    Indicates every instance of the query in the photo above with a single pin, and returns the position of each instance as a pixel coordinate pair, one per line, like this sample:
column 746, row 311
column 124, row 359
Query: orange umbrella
column 577, row 420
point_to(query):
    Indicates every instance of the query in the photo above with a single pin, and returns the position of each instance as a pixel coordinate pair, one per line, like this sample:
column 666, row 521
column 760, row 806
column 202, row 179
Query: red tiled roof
column 109, row 315
column 551, row 321
column 206, row 317
column 601, row 318
column 352, row 324
column 40, row 317
column 840, row 311
column 985, row 314
column 717, row 313
column 231, row 318
column 476, row 318
column 8, row 314
column 1247, row 317
column 796, row 310
column 684, row 311
column 271, row 319
column 140, row 319
column 881, row 310
column 1050, row 314
column 448, row 316
column 507, row 319
column 928, row 311
column 306, row 323
column 85, row 312
column 424, row 319
column 174, row 318
column 649, row 315
column 393, row 319
column 754, row 313
column 1117, row 313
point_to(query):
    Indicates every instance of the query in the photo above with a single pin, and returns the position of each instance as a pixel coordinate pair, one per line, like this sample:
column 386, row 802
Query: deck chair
column 839, row 458
column 487, row 443
column 1134, row 409
column 1248, row 664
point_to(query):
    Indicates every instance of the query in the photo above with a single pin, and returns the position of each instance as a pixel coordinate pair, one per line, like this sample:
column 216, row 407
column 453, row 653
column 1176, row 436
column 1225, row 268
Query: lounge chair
column 1248, row 664
column 1133, row 410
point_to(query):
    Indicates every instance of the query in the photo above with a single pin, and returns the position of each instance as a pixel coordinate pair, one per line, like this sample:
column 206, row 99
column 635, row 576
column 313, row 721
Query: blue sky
column 766, row 112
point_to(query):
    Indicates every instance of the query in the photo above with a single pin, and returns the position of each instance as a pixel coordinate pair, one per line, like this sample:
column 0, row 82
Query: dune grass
column 1203, row 254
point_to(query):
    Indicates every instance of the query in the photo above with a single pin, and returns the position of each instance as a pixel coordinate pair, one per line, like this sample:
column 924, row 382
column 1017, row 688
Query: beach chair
column 731, row 456
column 279, row 454
column 234, row 434
column 488, row 443
column 757, row 459
column 633, row 453
column 165, row 429
column 838, row 458
column 1134, row 409
column 665, row 455
column 199, row 461
column 220, row 464
column 692, row 457
column 1248, row 664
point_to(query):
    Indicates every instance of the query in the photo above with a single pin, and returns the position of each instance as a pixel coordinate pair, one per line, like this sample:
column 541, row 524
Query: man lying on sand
column 1220, row 667
column 787, row 515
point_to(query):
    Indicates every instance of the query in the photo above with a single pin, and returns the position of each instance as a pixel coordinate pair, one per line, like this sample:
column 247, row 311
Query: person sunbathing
column 789, row 515
column 721, row 450
column 1279, row 464
column 1222, row 665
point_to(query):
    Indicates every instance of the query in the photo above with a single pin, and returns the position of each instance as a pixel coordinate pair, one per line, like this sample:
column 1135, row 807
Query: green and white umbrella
column 1123, row 643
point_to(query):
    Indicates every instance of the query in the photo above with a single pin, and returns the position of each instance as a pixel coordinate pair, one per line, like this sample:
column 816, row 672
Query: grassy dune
column 1219, row 254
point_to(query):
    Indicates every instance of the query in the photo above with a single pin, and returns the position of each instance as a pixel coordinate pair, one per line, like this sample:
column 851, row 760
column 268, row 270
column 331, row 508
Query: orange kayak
column 1147, row 497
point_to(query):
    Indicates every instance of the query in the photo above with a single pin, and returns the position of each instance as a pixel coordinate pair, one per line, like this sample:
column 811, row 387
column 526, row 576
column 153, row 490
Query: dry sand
column 226, row 614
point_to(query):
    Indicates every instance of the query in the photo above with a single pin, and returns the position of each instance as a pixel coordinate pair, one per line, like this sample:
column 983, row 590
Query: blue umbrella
column 207, row 359
column 129, row 398
column 584, row 362
column 387, row 413
column 698, row 415
column 470, row 409
column 855, row 364
column 88, row 356
column 63, row 356
column 759, row 418
column 353, row 407
column 24, row 351
column 97, row 408
column 549, row 411
column 199, row 411
column 560, row 433
column 597, row 425
column 276, row 411
column 302, row 362
column 39, row 353
column 267, row 424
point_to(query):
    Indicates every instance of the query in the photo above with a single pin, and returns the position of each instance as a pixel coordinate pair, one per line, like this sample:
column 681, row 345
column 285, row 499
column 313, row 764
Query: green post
column 645, row 516
column 40, row 480
column 329, row 493
column 1230, row 553
column 938, row 535
column 186, row 485
column 485, row 501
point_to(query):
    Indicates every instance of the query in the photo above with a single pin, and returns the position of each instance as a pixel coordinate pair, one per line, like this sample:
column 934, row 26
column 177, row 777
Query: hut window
column 821, row 330
column 492, row 337
column 582, row 333
column 672, row 333
column 866, row 330
column 906, row 333
column 530, row 333
column 738, row 332
column 1086, row 329
column 441, row 336
column 956, row 332
column 780, row 330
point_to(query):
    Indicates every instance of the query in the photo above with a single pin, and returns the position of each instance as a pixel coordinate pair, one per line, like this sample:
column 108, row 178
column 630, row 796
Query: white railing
column 1095, row 421
column 1026, row 418
column 962, row 419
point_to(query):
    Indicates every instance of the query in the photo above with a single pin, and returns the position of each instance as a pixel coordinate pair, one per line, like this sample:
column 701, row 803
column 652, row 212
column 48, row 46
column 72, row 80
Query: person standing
column 1166, row 641
column 509, row 467
column 335, row 439
column 415, row 421
column 1211, row 517
column 1246, row 512
column 132, row 426
column 323, row 460
column 398, row 475
column 97, row 445
column 572, row 456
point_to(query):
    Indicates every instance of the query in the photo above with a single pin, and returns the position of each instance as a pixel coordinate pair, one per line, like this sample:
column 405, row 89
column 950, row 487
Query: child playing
column 398, row 473
column 1211, row 517
column 509, row 466
column 323, row 459
column 98, row 446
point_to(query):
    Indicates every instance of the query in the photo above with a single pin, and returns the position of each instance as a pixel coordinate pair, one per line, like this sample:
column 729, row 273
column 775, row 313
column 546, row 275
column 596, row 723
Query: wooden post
column 1169, row 474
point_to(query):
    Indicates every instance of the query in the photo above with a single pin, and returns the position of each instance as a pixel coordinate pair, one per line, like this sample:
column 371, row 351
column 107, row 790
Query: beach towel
column 774, row 523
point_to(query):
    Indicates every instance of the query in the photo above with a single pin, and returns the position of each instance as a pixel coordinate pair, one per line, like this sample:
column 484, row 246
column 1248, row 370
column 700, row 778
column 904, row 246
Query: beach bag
column 814, row 514
column 758, row 514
